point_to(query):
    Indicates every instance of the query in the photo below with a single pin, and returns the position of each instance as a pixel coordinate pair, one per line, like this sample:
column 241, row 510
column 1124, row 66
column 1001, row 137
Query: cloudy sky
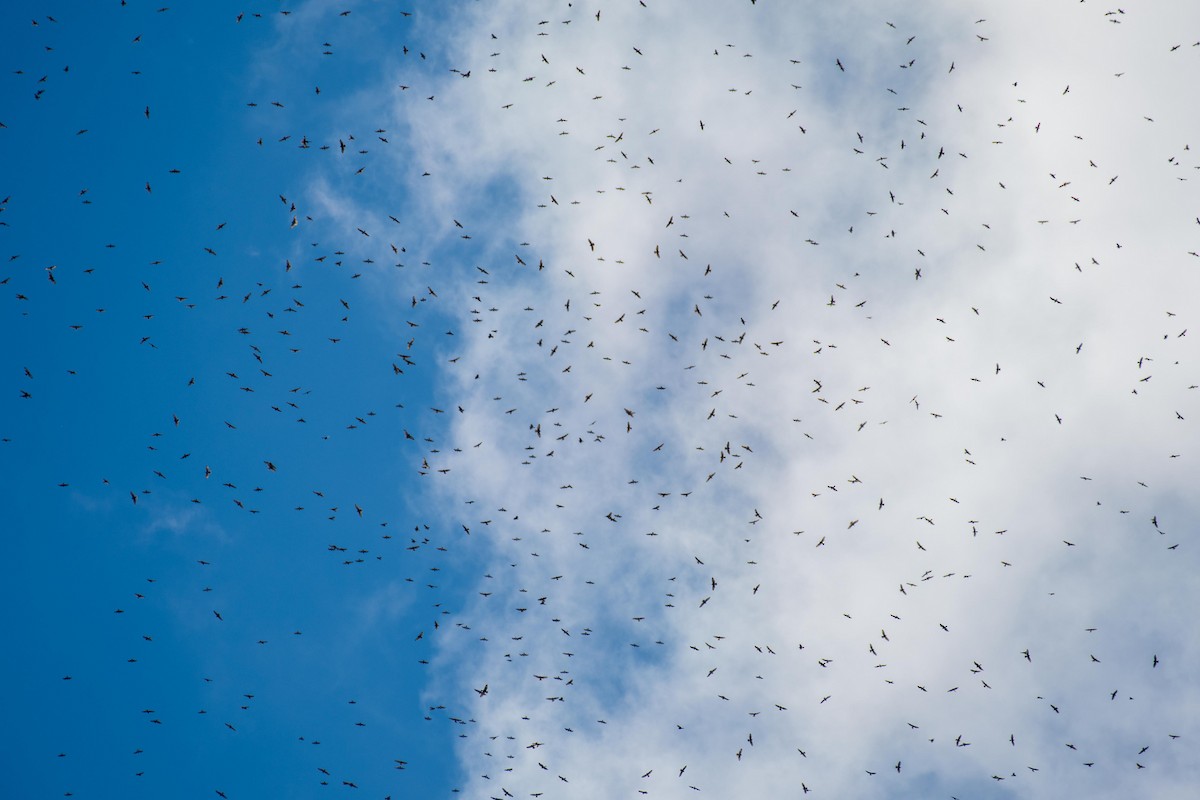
column 565, row 399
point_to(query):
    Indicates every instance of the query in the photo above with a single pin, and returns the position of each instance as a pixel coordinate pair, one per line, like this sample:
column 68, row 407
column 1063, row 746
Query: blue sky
column 737, row 419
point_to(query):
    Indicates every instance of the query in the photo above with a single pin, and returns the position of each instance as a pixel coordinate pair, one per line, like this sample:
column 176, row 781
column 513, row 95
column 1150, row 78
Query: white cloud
column 782, row 427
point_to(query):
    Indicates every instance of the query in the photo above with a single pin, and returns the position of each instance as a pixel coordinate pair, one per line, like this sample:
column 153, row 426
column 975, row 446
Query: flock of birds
column 743, row 463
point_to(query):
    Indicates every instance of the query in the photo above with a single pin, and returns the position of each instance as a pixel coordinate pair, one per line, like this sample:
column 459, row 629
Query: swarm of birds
column 643, row 398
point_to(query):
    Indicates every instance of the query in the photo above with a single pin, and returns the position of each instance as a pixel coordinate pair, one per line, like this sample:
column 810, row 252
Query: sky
column 559, row 399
